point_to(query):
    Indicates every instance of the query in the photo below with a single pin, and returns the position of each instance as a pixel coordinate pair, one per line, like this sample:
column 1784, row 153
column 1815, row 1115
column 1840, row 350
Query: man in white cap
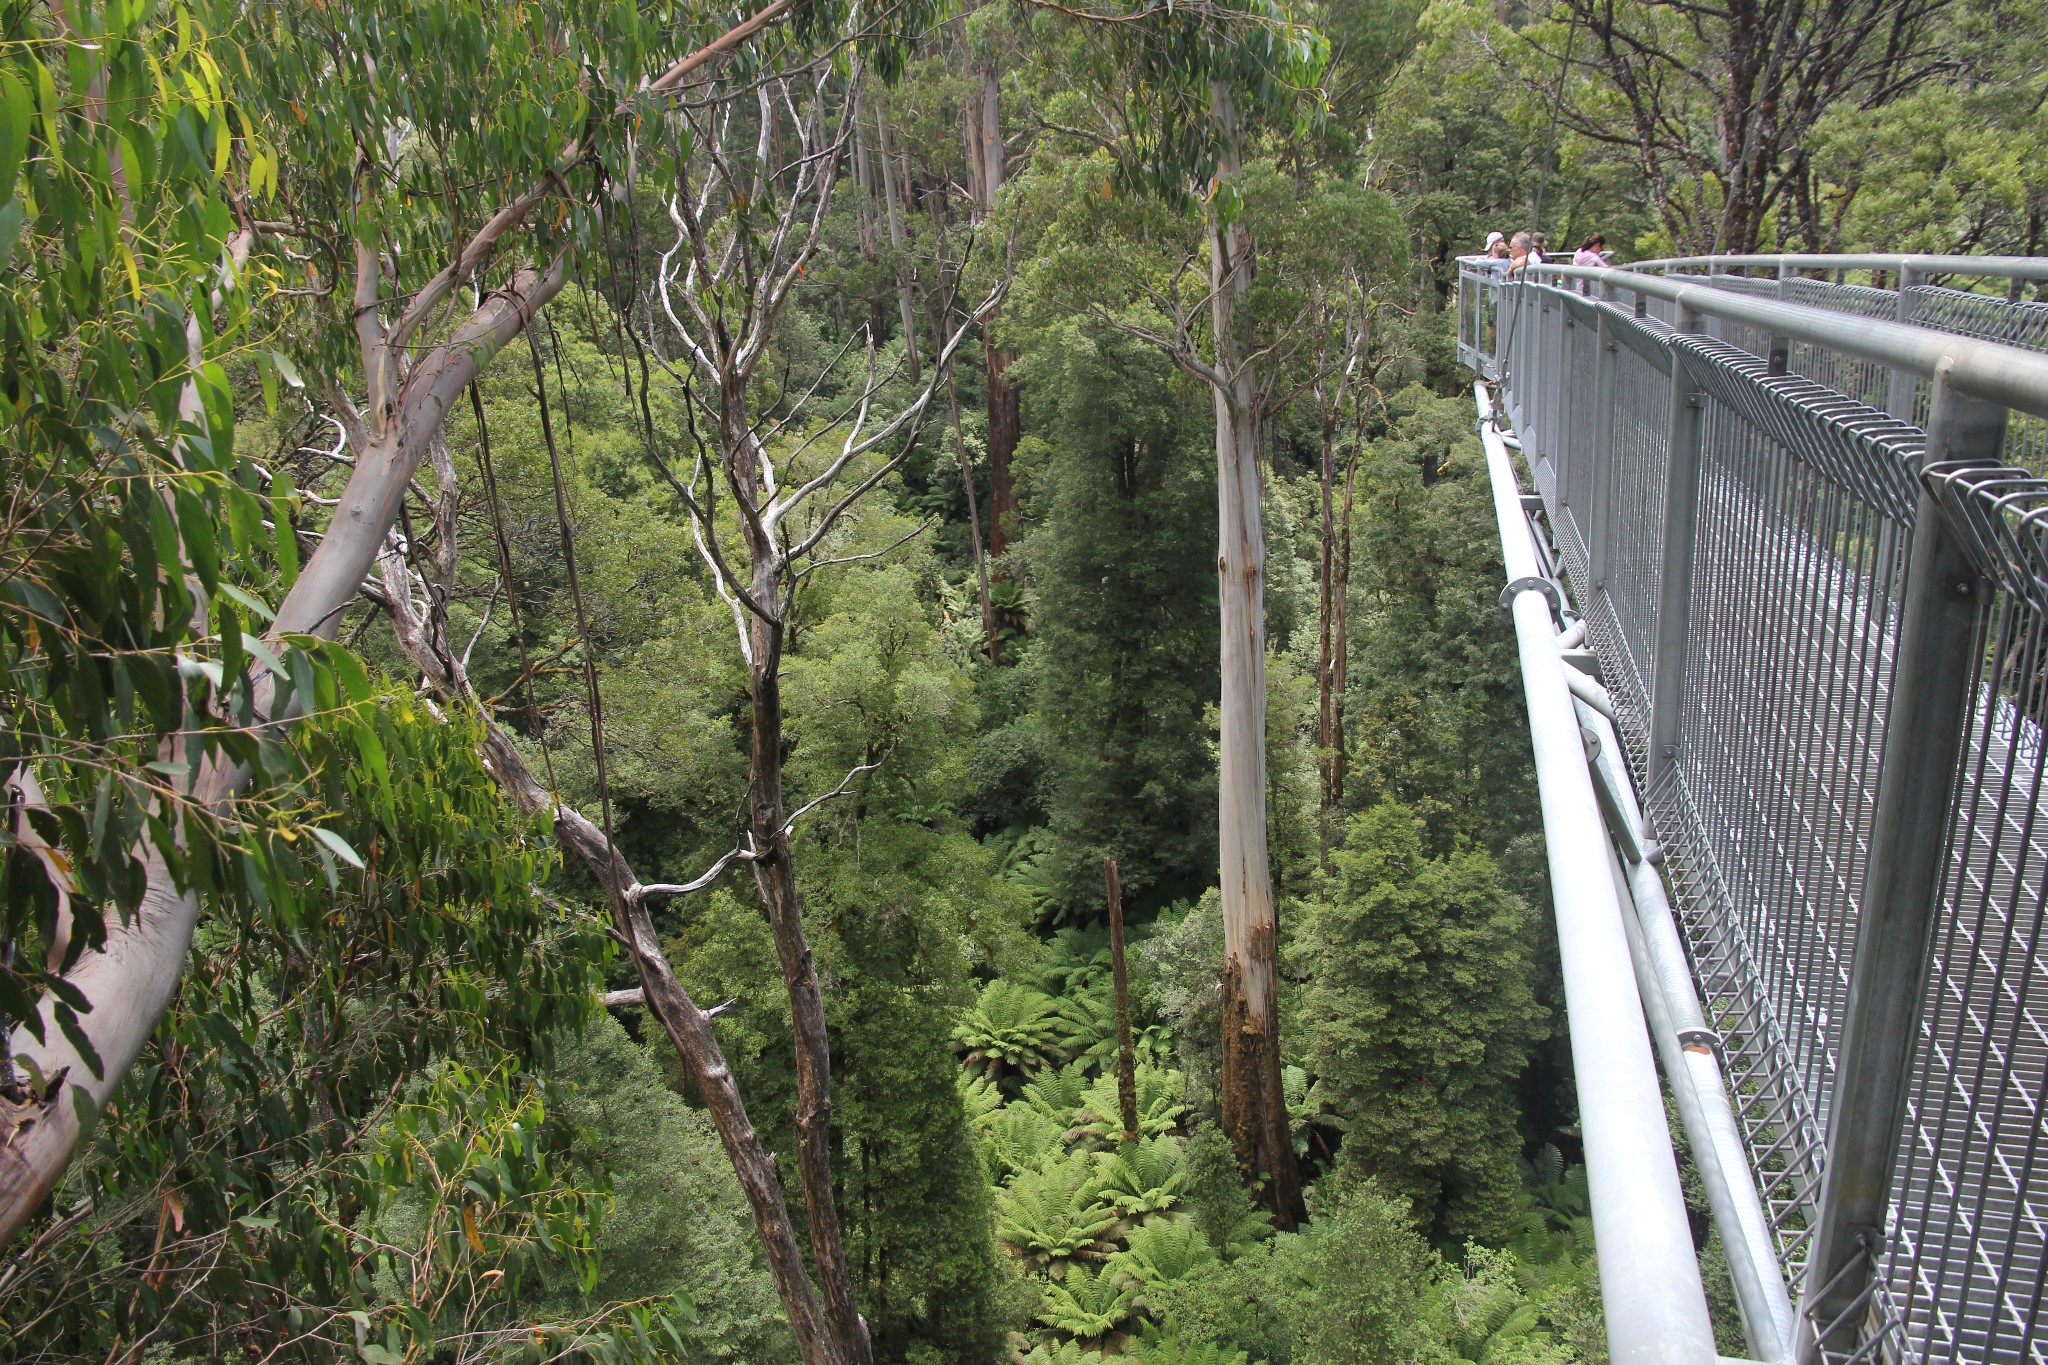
column 1497, row 246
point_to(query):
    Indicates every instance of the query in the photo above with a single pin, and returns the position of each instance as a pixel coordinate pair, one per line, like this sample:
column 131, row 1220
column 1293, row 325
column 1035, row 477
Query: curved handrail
column 1996, row 267
column 2003, row 374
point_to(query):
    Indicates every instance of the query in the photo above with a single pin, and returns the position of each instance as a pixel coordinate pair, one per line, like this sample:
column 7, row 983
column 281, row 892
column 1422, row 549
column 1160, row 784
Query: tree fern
column 1154, row 1347
column 1160, row 1104
column 1088, row 1018
column 1485, row 1317
column 1058, row 1094
column 1076, row 962
column 1087, row 1305
column 1553, row 1214
column 1022, row 1139
column 1010, row 1025
column 1144, row 1177
column 1163, row 1251
column 1055, row 1215
column 1307, row 1107
column 979, row 1099
column 1065, row 1353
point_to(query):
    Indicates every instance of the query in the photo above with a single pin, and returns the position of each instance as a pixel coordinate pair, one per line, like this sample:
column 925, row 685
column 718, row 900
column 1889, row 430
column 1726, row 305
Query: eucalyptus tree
column 142, row 779
column 1714, row 106
column 1186, row 82
column 1187, row 284
column 768, row 479
column 411, row 222
column 766, row 470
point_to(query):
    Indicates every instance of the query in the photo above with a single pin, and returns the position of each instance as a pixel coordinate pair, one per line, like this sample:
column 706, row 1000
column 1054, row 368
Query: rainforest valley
column 825, row 683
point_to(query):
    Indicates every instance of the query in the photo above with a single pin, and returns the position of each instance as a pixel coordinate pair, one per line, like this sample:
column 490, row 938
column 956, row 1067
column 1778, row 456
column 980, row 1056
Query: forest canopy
column 824, row 683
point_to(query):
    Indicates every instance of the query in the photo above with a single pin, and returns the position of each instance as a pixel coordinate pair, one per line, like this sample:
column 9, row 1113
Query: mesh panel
column 1807, row 502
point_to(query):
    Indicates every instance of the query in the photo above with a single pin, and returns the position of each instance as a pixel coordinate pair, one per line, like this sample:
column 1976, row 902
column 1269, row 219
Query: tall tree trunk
column 864, row 219
column 1329, row 741
column 1340, row 650
column 886, row 147
column 992, row 641
column 1005, row 422
column 775, row 879
column 1126, row 1051
column 423, row 636
column 1254, row 1105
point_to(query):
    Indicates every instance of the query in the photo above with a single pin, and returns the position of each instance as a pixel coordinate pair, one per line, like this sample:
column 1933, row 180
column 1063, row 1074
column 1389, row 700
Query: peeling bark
column 1126, row 1052
column 1257, row 1126
column 1005, row 411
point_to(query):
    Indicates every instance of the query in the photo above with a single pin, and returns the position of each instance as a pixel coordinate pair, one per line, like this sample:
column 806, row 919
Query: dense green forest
column 825, row 683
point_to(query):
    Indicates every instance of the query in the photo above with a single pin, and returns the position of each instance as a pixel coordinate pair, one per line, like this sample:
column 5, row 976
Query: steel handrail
column 1990, row 267
column 2007, row 375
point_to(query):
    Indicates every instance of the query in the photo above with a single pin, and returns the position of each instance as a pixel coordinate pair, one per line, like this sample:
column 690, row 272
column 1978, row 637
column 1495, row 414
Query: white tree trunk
column 1254, row 1107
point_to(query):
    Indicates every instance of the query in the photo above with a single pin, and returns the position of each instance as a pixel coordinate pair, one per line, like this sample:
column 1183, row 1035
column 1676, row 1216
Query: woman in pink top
column 1592, row 251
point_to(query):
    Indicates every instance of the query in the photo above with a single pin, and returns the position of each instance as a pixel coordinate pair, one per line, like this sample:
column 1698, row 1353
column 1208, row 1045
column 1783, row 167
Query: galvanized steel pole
column 1899, row 397
column 1655, row 1307
column 1598, row 535
column 1686, row 1047
column 1923, row 739
column 1681, row 530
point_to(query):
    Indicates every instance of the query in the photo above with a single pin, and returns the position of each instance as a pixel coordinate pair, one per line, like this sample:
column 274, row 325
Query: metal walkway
column 1789, row 542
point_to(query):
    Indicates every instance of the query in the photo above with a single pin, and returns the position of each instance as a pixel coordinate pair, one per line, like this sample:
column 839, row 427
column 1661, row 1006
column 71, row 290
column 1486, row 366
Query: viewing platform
column 1781, row 600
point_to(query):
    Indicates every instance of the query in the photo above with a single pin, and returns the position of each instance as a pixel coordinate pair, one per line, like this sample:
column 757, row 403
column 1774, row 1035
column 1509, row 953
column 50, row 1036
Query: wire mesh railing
column 1764, row 785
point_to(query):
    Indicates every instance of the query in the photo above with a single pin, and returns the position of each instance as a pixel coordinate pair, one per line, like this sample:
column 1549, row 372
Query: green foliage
column 296, row 1122
column 1120, row 509
column 1943, row 169
column 1162, row 1251
column 980, row 1101
column 1371, row 1275
column 1177, row 966
column 1066, row 1352
column 1485, row 1318
column 1021, row 1138
column 1145, row 1177
column 1254, row 1303
column 1171, row 1350
column 1087, row 1305
column 1436, row 694
column 1058, row 1095
column 136, row 565
column 1423, row 990
column 1160, row 1105
column 1010, row 1025
column 1054, row 1215
column 678, row 1222
column 1217, row 1200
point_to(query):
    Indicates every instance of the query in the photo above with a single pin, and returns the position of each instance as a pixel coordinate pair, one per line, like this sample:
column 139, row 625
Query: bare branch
column 641, row 891
column 845, row 785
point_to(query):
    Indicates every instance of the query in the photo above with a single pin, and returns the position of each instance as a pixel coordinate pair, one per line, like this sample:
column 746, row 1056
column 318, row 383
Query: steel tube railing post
column 1899, row 398
column 1944, row 602
column 1781, row 345
column 1603, row 418
column 1565, row 455
column 1504, row 304
column 1681, row 527
column 1652, row 1299
column 1693, row 1069
column 1751, row 1302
